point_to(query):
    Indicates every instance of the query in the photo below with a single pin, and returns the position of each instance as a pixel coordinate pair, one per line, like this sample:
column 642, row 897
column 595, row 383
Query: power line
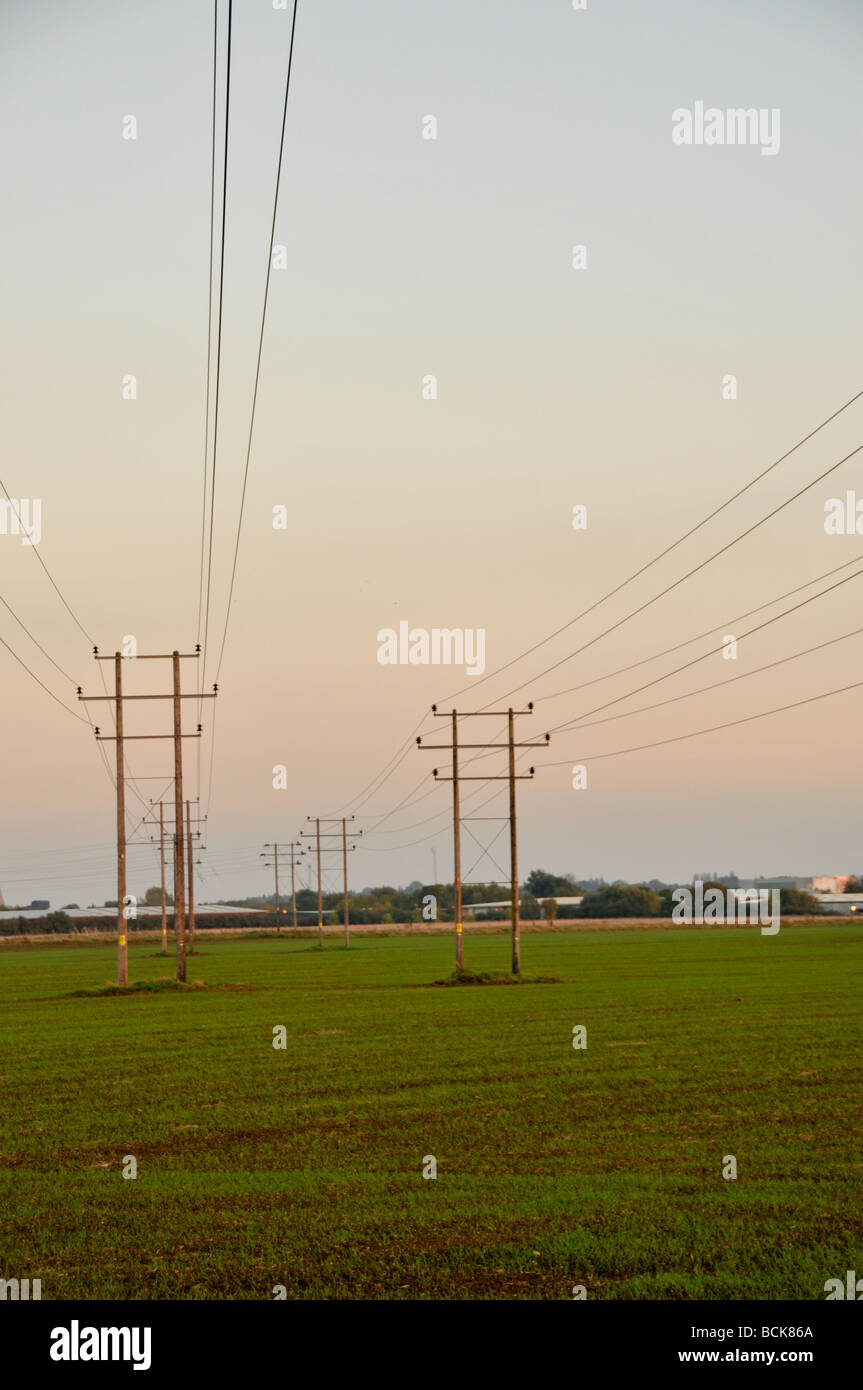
column 32, row 674
column 708, row 632
column 260, row 338
column 695, row 660
column 26, row 629
column 715, row 685
column 35, row 550
column 667, row 551
column 696, row 733
column 218, row 348
column 627, row 581
column 677, row 582
column 209, row 321
column 403, row 749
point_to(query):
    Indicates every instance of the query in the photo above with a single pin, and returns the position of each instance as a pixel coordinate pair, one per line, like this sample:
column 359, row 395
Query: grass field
column 303, row 1166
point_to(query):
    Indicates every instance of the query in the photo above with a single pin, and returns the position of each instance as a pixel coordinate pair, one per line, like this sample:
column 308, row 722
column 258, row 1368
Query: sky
column 405, row 258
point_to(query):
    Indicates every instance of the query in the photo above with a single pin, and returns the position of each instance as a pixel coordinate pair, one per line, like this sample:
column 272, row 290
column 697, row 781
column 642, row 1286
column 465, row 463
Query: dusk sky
column 406, row 258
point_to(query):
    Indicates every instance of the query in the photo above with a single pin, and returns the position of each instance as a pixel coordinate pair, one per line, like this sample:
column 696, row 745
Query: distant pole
column 179, row 848
column 513, row 850
column 122, row 949
column 276, row 863
column 162, row 859
column 179, row 884
column 190, row 852
column 293, row 889
column 456, row 831
column 320, row 899
column 511, row 777
column 331, row 849
column 345, row 871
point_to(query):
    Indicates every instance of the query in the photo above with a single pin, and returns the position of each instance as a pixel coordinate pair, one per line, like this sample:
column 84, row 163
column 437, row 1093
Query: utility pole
column 345, row 872
column 121, row 738
column 190, row 852
column 162, row 871
column 511, row 777
column 294, row 844
column 162, row 861
column 291, row 846
column 179, row 876
column 332, row 835
column 320, row 899
column 122, row 948
column 185, row 836
column 513, row 850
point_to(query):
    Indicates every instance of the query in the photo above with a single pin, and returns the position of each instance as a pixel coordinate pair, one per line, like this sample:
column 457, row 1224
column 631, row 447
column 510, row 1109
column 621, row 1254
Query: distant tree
column 854, row 885
column 544, row 885
column 530, row 908
column 153, row 898
column 621, row 900
column 799, row 902
column 549, row 910
column 57, row 922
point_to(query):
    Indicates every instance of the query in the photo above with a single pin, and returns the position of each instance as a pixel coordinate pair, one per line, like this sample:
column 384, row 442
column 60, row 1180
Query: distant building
column 507, row 903
column 844, row 903
column 825, row 883
column 39, row 905
column 780, row 881
column 814, row 883
column 729, row 880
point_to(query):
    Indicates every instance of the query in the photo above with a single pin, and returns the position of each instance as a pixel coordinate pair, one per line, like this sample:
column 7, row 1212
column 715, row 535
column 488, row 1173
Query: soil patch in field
column 495, row 977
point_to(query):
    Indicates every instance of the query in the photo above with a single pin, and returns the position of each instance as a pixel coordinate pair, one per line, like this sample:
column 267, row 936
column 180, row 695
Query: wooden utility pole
column 121, row 738
column 320, row 898
column 513, row 850
column 332, row 835
column 345, row 872
column 456, row 841
column 122, row 948
column 162, row 861
column 179, row 875
column 186, row 836
column 291, row 846
column 190, row 861
column 345, row 876
column 511, row 777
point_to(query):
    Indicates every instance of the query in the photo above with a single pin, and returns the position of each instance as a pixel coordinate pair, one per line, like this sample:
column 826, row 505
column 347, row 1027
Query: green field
column 303, row 1167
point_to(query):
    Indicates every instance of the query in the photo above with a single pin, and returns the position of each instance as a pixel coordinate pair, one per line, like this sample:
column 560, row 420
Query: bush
column 621, row 900
column 798, row 901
